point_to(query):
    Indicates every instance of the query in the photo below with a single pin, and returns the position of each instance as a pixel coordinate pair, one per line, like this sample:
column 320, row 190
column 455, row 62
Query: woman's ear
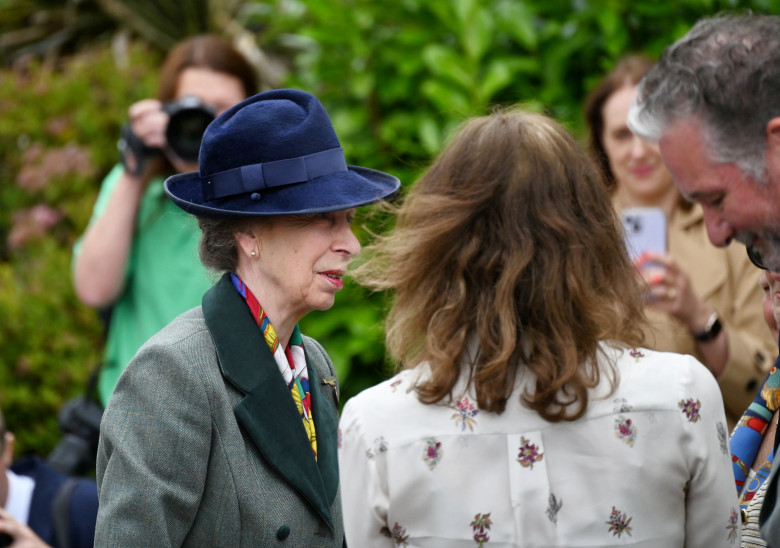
column 249, row 243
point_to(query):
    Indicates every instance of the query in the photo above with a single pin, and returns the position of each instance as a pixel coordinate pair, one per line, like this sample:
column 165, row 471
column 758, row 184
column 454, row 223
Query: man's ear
column 772, row 157
column 773, row 131
column 7, row 457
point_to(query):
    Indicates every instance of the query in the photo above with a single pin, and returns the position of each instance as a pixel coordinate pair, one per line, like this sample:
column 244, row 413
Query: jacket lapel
column 267, row 411
column 327, row 435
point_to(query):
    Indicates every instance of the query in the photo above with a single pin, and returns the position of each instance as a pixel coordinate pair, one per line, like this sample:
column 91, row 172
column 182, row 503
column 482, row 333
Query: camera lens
column 189, row 118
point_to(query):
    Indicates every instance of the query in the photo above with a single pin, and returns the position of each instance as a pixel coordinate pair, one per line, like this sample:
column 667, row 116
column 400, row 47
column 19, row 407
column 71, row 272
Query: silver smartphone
column 645, row 230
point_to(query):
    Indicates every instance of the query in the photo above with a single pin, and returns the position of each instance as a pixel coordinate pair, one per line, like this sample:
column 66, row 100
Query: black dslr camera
column 188, row 119
column 79, row 419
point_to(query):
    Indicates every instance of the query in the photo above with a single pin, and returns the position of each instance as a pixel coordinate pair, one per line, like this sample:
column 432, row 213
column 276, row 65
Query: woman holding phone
column 701, row 300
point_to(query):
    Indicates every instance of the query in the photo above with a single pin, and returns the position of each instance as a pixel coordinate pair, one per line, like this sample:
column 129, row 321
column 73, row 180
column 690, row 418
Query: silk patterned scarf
column 749, row 433
column 291, row 360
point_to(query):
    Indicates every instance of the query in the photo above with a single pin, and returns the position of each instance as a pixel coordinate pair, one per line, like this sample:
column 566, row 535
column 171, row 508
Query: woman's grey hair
column 218, row 245
column 726, row 73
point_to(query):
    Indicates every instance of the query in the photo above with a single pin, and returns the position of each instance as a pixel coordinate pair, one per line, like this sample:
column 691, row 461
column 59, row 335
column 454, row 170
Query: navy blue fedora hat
column 275, row 153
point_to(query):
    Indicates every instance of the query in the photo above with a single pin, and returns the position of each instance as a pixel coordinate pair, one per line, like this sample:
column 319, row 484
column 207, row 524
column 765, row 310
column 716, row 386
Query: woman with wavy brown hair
column 527, row 413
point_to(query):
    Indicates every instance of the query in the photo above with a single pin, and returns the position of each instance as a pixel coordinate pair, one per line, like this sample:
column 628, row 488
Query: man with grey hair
column 713, row 104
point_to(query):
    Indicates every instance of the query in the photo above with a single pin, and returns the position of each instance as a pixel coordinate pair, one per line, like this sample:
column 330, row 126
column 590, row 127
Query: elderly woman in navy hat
column 222, row 430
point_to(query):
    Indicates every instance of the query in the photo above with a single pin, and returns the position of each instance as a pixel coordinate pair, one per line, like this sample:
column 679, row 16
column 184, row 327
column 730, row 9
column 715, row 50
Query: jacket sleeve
column 153, row 451
column 363, row 497
column 751, row 348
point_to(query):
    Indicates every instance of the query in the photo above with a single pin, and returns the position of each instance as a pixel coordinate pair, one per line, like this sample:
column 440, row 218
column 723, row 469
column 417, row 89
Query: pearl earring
column 253, row 253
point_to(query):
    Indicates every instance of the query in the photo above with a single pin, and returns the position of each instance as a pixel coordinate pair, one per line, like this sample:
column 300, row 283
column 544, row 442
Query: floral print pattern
column 465, row 413
column 397, row 533
column 455, row 428
column 480, row 527
column 528, row 454
column 691, row 409
column 625, row 430
column 636, row 354
column 723, row 437
column 620, row 405
column 380, row 446
column 432, row 452
column 619, row 523
column 733, row 526
column 553, row 507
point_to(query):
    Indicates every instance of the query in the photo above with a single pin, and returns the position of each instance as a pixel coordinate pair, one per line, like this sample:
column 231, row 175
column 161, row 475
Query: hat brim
column 341, row 190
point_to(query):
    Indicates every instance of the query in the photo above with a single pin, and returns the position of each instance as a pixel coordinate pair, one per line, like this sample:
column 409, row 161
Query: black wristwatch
column 711, row 330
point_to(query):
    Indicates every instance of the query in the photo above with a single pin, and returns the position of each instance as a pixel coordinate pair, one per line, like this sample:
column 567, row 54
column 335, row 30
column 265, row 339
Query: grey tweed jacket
column 202, row 445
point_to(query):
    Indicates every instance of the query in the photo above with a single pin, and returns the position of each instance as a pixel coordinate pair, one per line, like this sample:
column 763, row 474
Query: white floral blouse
column 648, row 465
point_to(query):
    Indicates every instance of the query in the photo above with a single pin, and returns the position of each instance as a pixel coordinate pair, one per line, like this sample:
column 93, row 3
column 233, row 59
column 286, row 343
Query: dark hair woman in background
column 138, row 257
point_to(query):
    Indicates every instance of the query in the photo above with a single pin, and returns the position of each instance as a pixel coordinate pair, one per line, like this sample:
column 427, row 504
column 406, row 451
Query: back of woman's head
column 205, row 51
column 628, row 72
column 509, row 237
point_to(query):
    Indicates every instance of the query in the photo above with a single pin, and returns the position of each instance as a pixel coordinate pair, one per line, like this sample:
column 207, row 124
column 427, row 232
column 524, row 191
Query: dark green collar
column 267, row 411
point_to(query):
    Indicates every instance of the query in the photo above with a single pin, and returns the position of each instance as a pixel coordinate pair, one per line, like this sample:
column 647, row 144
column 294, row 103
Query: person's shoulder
column 646, row 362
column 179, row 340
column 314, row 347
column 662, row 378
column 391, row 395
column 389, row 410
column 189, row 323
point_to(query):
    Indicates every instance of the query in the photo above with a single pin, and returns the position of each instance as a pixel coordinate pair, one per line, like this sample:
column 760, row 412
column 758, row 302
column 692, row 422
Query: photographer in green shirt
column 138, row 257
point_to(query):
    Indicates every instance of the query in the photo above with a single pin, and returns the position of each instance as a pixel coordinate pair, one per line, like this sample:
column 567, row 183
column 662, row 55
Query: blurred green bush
column 58, row 132
column 396, row 76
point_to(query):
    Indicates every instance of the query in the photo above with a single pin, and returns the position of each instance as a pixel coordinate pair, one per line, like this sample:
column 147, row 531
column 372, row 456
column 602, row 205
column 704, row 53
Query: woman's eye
column 623, row 134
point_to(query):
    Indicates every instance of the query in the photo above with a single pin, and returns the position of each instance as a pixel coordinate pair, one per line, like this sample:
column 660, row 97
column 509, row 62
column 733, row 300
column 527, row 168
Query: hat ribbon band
column 269, row 175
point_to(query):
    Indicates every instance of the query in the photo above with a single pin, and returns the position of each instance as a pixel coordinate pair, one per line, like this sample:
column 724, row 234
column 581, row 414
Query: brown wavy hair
column 509, row 237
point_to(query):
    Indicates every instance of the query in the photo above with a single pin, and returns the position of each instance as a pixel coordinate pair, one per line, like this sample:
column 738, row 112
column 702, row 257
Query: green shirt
column 163, row 278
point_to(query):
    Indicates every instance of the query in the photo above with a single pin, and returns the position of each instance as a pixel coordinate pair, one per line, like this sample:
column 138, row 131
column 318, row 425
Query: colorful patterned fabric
column 748, row 435
column 291, row 360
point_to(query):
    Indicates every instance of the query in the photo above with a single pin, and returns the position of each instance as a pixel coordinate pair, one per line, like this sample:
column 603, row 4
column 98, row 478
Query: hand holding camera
column 174, row 128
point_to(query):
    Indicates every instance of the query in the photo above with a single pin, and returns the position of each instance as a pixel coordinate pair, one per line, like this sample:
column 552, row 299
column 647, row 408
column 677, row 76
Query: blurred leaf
column 447, row 99
column 477, row 33
column 443, row 61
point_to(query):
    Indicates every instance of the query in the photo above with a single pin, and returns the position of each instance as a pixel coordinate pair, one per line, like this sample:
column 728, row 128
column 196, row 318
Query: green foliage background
column 397, row 76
